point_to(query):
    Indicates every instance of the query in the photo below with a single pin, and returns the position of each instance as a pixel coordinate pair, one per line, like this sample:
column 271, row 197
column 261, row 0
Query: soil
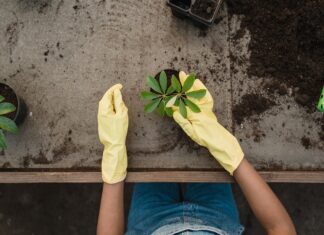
column 305, row 141
column 204, row 8
column 10, row 97
column 251, row 104
column 287, row 44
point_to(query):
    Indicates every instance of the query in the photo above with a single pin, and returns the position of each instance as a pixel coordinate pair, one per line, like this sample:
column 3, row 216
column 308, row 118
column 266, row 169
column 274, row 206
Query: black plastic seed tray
column 203, row 12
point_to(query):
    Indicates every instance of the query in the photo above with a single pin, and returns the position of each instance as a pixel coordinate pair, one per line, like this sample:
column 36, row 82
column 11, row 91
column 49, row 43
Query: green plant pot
column 10, row 96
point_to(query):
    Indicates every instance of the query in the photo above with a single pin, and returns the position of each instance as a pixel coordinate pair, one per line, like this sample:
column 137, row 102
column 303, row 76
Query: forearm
column 264, row 203
column 111, row 214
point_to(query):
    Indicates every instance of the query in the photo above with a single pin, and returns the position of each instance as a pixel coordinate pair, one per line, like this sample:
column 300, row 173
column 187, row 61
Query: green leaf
column 6, row 108
column 163, row 81
column 176, row 103
column 3, row 144
column 150, row 107
column 1, row 98
column 153, row 84
column 169, row 112
column 147, row 95
column 194, row 108
column 182, row 109
column 170, row 90
column 161, row 108
column 198, row 94
column 171, row 102
column 188, row 83
column 8, row 125
column 175, row 83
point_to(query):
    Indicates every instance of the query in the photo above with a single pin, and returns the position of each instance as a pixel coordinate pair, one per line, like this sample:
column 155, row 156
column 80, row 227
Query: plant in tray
column 166, row 92
column 6, row 124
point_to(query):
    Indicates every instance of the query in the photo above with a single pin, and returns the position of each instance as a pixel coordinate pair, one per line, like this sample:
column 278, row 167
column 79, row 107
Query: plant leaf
column 8, row 125
column 150, row 107
column 147, row 95
column 175, row 83
column 171, row 102
column 161, row 108
column 170, row 90
column 3, row 144
column 163, row 81
column 169, row 112
column 1, row 98
column 182, row 109
column 176, row 103
column 194, row 108
column 188, row 83
column 6, row 107
column 153, row 84
column 198, row 94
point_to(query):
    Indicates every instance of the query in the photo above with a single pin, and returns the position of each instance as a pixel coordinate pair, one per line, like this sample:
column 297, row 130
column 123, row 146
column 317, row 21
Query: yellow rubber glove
column 204, row 129
column 112, row 129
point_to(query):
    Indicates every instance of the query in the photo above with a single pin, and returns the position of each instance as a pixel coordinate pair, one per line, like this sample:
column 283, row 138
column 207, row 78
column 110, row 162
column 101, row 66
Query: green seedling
column 320, row 105
column 6, row 124
column 162, row 98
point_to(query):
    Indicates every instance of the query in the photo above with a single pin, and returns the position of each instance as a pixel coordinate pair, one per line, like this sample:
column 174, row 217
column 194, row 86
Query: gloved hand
column 112, row 129
column 205, row 130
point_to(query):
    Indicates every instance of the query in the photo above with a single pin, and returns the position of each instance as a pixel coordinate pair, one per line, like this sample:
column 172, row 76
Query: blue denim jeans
column 202, row 205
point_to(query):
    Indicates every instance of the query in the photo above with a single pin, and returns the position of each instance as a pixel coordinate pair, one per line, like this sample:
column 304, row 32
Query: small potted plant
column 166, row 91
column 12, row 112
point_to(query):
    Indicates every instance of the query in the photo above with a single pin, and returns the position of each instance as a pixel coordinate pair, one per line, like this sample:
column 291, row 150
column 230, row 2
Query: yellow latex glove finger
column 112, row 129
column 106, row 104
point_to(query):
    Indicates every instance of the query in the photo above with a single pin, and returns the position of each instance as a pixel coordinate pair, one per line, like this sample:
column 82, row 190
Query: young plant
column 6, row 124
column 162, row 97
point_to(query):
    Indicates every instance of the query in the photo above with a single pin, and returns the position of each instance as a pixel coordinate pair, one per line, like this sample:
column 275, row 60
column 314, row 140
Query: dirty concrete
column 73, row 209
column 273, row 139
column 61, row 56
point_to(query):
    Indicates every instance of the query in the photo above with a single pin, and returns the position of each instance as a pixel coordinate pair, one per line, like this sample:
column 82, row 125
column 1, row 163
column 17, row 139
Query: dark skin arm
column 111, row 214
column 263, row 202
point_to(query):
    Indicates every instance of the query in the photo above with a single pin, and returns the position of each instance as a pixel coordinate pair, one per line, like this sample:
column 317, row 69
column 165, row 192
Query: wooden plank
column 157, row 176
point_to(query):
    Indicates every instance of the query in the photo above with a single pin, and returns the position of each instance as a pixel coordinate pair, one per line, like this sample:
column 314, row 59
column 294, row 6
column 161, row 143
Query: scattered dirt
column 305, row 141
column 287, row 43
column 10, row 97
column 66, row 148
column 204, row 8
column 26, row 160
column 251, row 104
column 41, row 159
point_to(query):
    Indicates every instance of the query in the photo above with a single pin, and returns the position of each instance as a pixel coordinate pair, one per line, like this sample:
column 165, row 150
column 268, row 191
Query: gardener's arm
column 111, row 214
column 264, row 203
column 204, row 128
column 112, row 128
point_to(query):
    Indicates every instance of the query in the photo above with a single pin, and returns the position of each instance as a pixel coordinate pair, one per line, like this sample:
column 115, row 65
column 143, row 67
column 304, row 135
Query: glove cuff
column 114, row 164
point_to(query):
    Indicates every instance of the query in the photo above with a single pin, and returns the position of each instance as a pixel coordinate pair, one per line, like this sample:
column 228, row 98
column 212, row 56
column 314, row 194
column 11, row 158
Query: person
column 163, row 208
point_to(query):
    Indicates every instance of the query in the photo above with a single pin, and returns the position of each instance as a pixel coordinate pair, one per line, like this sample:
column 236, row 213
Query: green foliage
column 198, row 94
column 162, row 98
column 6, row 124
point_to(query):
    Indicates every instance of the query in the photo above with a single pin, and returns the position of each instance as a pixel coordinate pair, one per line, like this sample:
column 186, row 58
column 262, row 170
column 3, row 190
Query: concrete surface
column 67, row 209
column 61, row 56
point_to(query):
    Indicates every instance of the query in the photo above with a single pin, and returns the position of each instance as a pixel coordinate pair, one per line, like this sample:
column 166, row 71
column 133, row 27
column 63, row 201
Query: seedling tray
column 185, row 8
